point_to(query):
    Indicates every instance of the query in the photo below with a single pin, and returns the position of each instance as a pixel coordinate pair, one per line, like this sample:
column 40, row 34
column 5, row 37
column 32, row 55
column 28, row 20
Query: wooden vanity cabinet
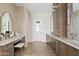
column 7, row 45
column 60, row 48
column 57, row 48
column 77, row 52
column 7, row 50
column 67, row 50
column 63, row 49
column 51, row 42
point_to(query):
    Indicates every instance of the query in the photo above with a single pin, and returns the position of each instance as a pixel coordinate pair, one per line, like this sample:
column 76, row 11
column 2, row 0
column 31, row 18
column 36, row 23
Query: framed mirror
column 5, row 22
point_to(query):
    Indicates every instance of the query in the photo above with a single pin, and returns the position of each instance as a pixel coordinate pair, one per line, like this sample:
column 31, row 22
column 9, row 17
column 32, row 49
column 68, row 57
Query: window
column 37, row 26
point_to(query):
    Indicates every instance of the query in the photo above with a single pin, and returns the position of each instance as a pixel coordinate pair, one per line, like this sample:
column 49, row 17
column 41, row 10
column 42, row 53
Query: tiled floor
column 37, row 49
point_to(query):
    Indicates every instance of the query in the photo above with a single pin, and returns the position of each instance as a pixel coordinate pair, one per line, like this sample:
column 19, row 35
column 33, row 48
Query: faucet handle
column 73, row 35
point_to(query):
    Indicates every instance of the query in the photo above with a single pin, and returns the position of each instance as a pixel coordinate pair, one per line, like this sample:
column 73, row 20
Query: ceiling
column 37, row 7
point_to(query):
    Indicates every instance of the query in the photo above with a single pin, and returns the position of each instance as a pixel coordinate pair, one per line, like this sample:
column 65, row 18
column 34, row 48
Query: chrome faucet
column 74, row 35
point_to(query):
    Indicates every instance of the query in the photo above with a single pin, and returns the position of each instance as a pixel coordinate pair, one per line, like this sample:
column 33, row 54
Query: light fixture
column 56, row 5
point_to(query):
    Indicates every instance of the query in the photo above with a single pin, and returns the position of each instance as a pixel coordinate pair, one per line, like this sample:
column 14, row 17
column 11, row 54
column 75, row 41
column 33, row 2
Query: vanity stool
column 20, row 46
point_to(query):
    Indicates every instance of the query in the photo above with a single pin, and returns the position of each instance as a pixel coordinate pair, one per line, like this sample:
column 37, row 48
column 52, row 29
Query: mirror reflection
column 6, row 23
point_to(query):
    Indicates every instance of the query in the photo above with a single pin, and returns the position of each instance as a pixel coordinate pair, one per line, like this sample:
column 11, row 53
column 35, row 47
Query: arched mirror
column 6, row 22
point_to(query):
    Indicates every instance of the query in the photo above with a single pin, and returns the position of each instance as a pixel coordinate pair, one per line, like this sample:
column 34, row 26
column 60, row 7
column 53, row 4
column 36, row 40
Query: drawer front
column 8, row 50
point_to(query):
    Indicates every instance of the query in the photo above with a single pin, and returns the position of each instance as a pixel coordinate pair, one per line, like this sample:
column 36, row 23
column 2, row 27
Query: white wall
column 75, row 18
column 75, row 22
column 46, row 23
column 23, row 21
column 75, row 7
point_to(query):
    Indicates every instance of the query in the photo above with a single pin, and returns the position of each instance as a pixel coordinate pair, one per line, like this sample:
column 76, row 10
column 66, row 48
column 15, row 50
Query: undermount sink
column 75, row 42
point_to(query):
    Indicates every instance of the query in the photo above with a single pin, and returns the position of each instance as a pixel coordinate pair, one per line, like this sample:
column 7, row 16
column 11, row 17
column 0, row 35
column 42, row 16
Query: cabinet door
column 63, row 49
column 51, row 42
column 68, row 50
column 77, row 52
column 8, row 50
column 58, row 48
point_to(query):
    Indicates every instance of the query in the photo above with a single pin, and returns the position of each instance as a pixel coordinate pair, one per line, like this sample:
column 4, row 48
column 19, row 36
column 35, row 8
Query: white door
column 37, row 30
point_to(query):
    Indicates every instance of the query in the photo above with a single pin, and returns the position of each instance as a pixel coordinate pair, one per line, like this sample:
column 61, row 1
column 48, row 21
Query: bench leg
column 21, row 52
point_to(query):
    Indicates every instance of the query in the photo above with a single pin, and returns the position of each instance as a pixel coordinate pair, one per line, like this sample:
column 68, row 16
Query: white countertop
column 70, row 42
column 10, row 40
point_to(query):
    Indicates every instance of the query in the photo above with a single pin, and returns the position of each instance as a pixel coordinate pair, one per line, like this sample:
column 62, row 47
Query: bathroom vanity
column 7, row 45
column 63, row 46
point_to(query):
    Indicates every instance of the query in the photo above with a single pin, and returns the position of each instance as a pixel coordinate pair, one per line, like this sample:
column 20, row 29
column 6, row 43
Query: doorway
column 37, row 29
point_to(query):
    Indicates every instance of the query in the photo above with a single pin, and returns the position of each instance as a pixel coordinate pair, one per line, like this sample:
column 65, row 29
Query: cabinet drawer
column 8, row 50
